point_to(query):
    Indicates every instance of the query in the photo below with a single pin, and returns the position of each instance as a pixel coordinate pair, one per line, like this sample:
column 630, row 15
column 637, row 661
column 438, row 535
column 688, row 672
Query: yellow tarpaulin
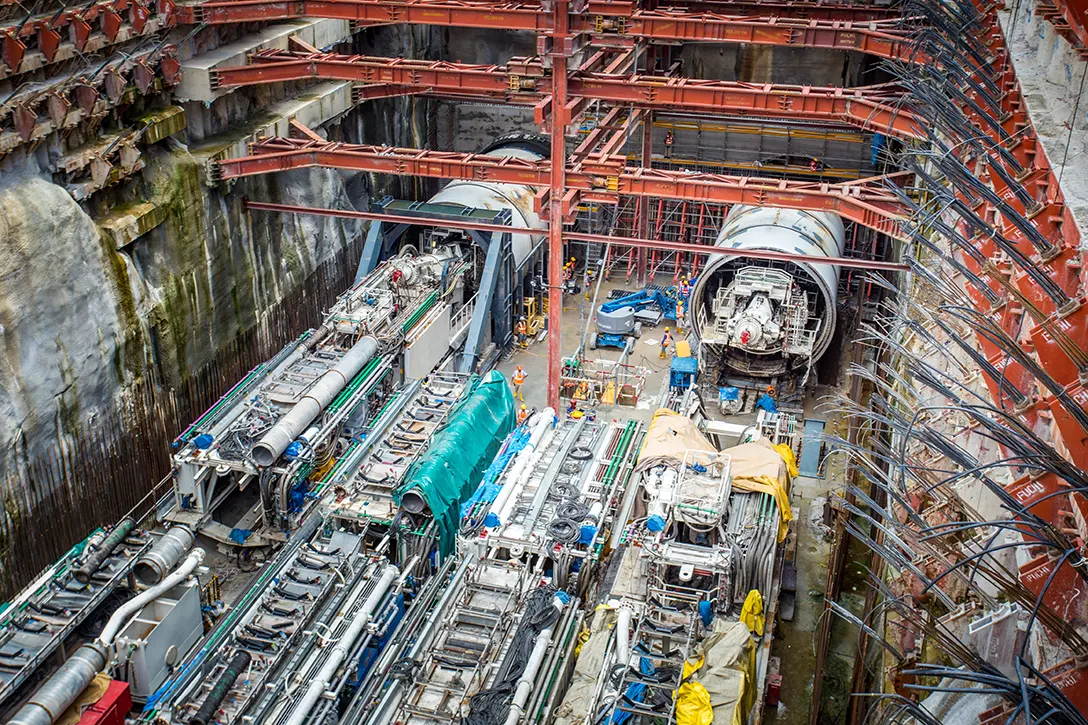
column 725, row 666
column 790, row 460
column 752, row 612
column 693, row 705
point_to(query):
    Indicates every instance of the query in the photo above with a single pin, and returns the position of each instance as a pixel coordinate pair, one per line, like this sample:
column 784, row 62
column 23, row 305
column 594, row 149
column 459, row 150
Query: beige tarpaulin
column 757, row 466
column 728, row 672
column 574, row 709
column 669, row 437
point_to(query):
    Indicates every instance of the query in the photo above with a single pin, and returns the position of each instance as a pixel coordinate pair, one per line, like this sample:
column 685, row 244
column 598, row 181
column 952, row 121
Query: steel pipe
column 164, row 555
column 541, row 426
column 362, row 618
column 68, row 683
column 275, row 441
column 113, row 626
column 62, row 689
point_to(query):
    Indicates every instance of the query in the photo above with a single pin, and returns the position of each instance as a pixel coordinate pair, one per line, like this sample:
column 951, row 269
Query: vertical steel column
column 642, row 223
column 560, row 41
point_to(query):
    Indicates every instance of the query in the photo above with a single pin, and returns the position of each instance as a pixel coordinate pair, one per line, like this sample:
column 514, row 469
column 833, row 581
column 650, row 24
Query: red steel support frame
column 640, row 243
column 870, row 107
column 558, row 162
column 612, row 23
column 865, row 201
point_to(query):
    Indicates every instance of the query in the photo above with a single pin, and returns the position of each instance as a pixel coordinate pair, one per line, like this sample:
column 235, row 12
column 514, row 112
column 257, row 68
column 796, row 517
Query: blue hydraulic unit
column 682, row 372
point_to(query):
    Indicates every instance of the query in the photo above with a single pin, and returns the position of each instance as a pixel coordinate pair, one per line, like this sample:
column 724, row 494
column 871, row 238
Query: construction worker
column 519, row 380
column 568, row 275
column 685, row 288
column 587, row 279
column 815, row 165
column 523, row 333
column 766, row 401
column 666, row 340
column 669, row 139
column 523, row 414
column 680, row 314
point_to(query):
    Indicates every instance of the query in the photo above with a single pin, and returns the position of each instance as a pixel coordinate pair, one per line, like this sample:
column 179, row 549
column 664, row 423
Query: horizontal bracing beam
column 889, row 38
column 846, row 262
column 866, row 201
column 872, row 108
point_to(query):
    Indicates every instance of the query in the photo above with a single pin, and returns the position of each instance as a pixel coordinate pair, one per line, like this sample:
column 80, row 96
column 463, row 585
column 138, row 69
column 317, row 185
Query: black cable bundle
column 489, row 707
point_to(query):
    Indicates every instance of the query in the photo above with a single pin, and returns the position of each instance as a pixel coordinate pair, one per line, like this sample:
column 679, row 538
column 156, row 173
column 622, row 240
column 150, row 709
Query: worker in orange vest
column 666, row 340
column 519, row 380
column 680, row 315
column 669, row 139
column 523, row 333
column 523, row 414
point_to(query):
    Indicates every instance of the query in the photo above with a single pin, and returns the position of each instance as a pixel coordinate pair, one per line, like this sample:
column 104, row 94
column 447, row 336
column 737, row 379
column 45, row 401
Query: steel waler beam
column 866, row 201
column 870, row 108
column 884, row 38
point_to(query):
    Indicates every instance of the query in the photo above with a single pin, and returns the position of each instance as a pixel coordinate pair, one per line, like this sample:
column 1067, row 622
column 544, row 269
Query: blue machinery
column 621, row 320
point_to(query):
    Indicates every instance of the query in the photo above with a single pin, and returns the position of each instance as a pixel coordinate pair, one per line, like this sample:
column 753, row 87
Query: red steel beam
column 689, row 248
column 817, row 9
column 279, row 65
column 848, row 262
column 863, row 201
column 48, row 32
column 870, row 107
column 466, row 14
column 884, row 38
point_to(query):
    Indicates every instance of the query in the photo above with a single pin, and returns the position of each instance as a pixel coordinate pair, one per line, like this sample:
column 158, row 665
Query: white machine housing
column 516, row 198
column 767, row 318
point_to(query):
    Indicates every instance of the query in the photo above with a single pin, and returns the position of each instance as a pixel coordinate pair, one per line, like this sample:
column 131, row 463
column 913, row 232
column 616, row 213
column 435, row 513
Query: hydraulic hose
column 208, row 708
column 94, row 561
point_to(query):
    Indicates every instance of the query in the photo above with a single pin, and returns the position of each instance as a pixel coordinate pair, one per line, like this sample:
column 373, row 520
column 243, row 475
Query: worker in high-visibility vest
column 666, row 340
column 669, row 139
column 519, row 380
column 685, row 288
column 568, row 274
column 680, row 315
column 523, row 333
column 523, row 414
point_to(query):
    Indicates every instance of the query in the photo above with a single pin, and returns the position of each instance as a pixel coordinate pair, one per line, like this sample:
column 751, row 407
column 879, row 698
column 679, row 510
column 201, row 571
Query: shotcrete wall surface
column 80, row 319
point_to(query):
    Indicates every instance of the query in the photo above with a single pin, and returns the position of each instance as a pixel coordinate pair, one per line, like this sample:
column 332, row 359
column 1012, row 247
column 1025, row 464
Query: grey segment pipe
column 164, row 555
column 272, row 445
column 93, row 561
column 62, row 689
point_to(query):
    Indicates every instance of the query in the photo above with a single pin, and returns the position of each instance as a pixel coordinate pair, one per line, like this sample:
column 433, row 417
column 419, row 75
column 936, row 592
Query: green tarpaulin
column 461, row 450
